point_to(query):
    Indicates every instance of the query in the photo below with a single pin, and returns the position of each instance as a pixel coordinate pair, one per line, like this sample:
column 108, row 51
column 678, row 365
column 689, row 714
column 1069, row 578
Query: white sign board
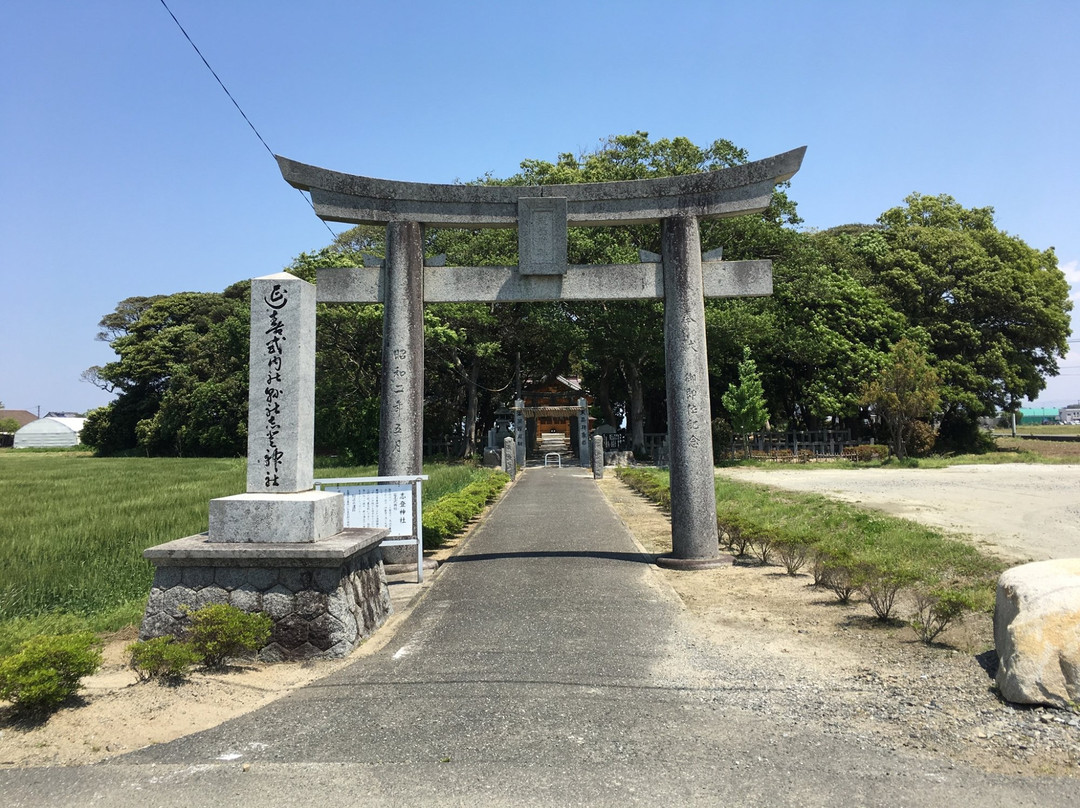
column 389, row 506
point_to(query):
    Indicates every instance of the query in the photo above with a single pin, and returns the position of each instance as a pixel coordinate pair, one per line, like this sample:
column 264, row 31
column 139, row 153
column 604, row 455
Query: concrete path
column 547, row 664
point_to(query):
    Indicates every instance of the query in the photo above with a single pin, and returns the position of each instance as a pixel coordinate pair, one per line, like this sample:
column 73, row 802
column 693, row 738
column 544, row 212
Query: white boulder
column 1037, row 633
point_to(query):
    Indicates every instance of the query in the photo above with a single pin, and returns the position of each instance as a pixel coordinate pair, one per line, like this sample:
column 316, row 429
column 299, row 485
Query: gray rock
column 279, row 602
column 1037, row 633
column 246, row 598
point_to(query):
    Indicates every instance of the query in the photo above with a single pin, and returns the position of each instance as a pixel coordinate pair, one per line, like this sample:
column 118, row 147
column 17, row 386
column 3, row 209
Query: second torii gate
column 681, row 275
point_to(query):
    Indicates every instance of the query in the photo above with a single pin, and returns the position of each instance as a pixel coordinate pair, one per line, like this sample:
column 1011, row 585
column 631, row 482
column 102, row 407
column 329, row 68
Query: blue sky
column 127, row 171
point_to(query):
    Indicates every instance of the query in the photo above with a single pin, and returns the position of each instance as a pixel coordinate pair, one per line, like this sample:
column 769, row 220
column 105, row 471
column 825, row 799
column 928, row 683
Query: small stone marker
column 583, row 432
column 598, row 457
column 280, row 548
column 281, row 393
column 520, row 430
column 1037, row 633
column 509, row 457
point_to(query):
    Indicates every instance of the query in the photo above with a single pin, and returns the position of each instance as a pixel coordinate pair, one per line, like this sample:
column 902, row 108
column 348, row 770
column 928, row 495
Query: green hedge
column 449, row 515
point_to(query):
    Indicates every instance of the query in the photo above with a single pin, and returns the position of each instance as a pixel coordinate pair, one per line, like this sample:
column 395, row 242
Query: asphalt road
column 547, row 664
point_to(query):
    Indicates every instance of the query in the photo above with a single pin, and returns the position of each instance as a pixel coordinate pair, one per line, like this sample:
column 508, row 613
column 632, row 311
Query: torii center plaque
column 681, row 275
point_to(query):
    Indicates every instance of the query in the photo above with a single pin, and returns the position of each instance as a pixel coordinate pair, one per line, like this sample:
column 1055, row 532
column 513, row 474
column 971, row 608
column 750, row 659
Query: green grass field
column 73, row 528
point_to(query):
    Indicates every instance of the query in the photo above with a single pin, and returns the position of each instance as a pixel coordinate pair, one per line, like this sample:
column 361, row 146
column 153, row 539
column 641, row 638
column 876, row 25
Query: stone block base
column 324, row 597
column 275, row 518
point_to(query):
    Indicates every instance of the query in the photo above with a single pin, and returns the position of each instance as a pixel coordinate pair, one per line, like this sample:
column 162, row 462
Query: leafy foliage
column 745, row 402
column 162, row 658
column 47, row 670
column 936, row 610
column 990, row 312
column 905, row 391
column 449, row 514
column 220, row 631
column 995, row 311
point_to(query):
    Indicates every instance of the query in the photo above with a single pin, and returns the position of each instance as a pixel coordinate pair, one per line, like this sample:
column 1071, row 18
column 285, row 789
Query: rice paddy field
column 73, row 528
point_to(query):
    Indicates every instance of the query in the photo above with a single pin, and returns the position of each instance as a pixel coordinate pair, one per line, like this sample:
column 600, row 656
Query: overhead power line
column 238, row 108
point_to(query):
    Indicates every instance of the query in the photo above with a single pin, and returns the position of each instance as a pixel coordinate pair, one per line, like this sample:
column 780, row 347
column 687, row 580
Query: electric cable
column 238, row 109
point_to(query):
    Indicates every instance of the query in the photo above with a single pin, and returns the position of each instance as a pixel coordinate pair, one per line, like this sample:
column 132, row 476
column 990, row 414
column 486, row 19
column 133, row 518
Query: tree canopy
column 991, row 312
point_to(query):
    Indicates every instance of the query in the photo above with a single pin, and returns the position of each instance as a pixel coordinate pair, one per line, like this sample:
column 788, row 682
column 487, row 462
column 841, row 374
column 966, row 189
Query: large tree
column 181, row 375
column 995, row 310
column 992, row 312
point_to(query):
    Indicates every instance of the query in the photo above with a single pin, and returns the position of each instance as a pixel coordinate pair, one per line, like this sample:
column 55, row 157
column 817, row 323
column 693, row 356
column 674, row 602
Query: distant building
column 1037, row 415
column 22, row 416
column 1070, row 414
column 551, row 411
column 46, row 432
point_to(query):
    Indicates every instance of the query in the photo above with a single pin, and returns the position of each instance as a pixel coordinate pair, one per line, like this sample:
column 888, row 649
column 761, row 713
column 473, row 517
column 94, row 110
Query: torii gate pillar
column 401, row 411
column 694, row 542
column 401, row 415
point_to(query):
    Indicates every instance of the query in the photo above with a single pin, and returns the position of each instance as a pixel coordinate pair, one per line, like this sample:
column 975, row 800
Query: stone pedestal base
column 672, row 563
column 324, row 597
column 304, row 517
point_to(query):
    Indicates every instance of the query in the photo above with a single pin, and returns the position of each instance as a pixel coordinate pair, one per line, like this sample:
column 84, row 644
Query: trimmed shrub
column 738, row 541
column 880, row 588
column 936, row 610
column 869, row 452
column 793, row 554
column 46, row 671
column 841, row 575
column 220, row 631
column 162, row 657
column 763, row 542
column 449, row 514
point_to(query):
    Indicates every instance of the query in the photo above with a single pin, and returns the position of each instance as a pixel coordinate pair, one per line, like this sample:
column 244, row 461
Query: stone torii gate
column 681, row 275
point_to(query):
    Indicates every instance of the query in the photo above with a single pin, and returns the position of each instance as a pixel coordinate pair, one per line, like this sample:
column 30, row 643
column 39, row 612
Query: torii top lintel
column 353, row 199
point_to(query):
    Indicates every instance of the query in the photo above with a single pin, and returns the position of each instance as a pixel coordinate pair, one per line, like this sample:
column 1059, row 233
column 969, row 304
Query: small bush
column 841, row 576
column 869, row 452
column 880, row 588
column 220, row 631
column 921, row 440
column 763, row 542
column 162, row 657
column 738, row 541
column 793, row 554
column 47, row 670
column 936, row 610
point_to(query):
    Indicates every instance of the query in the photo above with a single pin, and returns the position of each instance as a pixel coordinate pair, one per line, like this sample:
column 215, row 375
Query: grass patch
column 847, row 537
column 73, row 528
